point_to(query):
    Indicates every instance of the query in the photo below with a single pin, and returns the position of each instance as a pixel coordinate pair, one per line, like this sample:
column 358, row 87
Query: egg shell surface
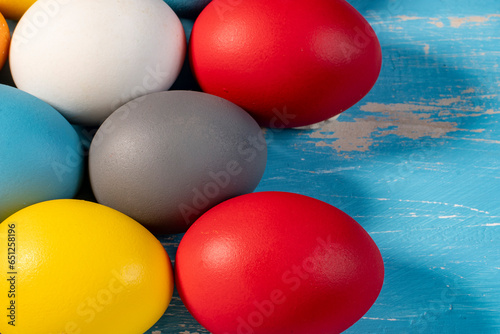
column 4, row 40
column 88, row 57
column 14, row 10
column 275, row 262
column 288, row 63
column 167, row 157
column 82, row 267
column 41, row 154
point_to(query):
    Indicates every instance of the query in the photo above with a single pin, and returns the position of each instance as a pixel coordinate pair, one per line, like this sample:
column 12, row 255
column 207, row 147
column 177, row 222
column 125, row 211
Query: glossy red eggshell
column 273, row 262
column 288, row 63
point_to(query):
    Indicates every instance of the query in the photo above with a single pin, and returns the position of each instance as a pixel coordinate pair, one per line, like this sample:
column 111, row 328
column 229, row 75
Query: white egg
column 88, row 57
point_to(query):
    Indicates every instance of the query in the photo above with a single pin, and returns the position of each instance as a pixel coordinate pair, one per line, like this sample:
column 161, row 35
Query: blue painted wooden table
column 417, row 163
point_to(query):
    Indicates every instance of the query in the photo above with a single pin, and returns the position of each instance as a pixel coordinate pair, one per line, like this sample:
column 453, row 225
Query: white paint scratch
column 332, row 171
column 476, row 112
column 491, row 112
column 490, row 96
column 457, row 22
column 426, row 49
column 409, row 18
column 490, row 225
column 403, row 18
column 385, row 319
column 380, row 232
column 436, row 22
column 481, row 140
column 444, row 203
column 446, row 217
column 454, row 22
column 447, row 101
column 416, row 201
column 468, row 207
column 469, row 91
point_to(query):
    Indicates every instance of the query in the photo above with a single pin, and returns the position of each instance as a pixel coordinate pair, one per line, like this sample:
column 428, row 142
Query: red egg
column 287, row 62
column 275, row 262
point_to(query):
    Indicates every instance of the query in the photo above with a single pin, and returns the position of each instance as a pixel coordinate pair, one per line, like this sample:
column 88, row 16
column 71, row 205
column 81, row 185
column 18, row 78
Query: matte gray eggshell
column 166, row 158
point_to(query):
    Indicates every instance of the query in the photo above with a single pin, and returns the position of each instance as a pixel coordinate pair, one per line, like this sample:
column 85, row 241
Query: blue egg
column 187, row 8
column 40, row 152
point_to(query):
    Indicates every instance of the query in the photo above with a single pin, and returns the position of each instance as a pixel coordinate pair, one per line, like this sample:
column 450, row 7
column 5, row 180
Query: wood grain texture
column 417, row 163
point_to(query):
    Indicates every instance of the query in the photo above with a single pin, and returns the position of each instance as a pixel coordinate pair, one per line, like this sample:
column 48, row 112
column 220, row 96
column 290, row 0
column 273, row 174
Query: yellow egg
column 13, row 10
column 74, row 267
column 4, row 40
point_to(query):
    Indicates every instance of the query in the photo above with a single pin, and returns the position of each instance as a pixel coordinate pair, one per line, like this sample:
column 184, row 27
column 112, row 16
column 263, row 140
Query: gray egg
column 166, row 158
